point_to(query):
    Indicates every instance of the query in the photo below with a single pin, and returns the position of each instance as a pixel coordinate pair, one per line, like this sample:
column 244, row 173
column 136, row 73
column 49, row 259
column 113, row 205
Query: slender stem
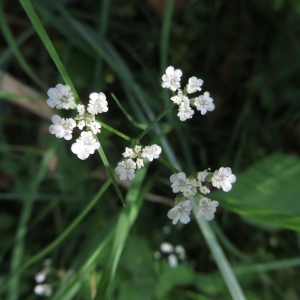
column 155, row 121
column 168, row 165
column 122, row 135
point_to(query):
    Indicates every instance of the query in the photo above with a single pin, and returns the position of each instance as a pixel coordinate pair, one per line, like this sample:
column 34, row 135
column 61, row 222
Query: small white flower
column 171, row 80
column 126, row 169
column 95, row 127
column 80, row 109
column 179, row 98
column 97, row 104
column 81, row 124
column 179, row 183
column 62, row 127
column 151, row 152
column 43, row 290
column 194, row 85
column 173, row 261
column 166, row 248
column 129, row 153
column 223, row 178
column 85, row 145
column 204, row 190
column 139, row 163
column 202, row 175
column 40, row 277
column 137, row 149
column 204, row 103
column 193, row 183
column 180, row 212
column 61, row 97
column 86, row 120
column 207, row 208
column 185, row 112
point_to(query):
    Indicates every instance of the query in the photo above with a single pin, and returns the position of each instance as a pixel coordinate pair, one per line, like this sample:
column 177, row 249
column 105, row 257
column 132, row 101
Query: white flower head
column 185, row 112
column 207, row 208
column 166, row 248
column 204, row 103
column 129, row 153
column 204, row 190
column 81, row 109
column 137, row 149
column 180, row 97
column 40, row 277
column 61, row 97
column 62, row 127
column 85, row 145
column 97, row 103
column 181, row 212
column 193, row 183
column 126, row 169
column 43, row 290
column 194, row 85
column 95, row 127
column 202, row 175
column 151, row 152
column 171, row 80
column 139, row 163
column 179, row 183
column 88, row 120
column 223, row 178
column 81, row 124
column 173, row 261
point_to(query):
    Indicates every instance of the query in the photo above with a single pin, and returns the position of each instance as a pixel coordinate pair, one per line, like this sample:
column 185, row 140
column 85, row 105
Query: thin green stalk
column 14, row 48
column 116, row 132
column 155, row 121
column 219, row 256
column 48, row 44
column 168, row 165
column 18, row 250
column 60, row 238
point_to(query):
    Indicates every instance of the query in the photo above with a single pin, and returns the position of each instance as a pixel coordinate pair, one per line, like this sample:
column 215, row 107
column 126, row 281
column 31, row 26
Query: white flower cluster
column 222, row 178
column 126, row 168
column 43, row 289
column 203, row 103
column 174, row 253
column 60, row 97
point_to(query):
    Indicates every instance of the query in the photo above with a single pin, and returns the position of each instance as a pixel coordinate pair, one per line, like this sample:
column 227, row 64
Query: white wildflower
column 43, row 290
column 179, row 183
column 80, row 109
column 171, row 80
column 85, row 145
column 204, row 190
column 62, row 127
column 81, row 124
column 97, row 104
column 223, row 178
column 95, row 127
column 129, row 153
column 137, row 149
column 185, row 112
column 40, row 277
column 202, row 175
column 179, row 98
column 194, row 85
column 207, row 208
column 126, row 169
column 61, row 97
column 151, row 152
column 86, row 119
column 180, row 212
column 204, row 103
column 173, row 261
column 166, row 247
column 193, row 183
column 139, row 163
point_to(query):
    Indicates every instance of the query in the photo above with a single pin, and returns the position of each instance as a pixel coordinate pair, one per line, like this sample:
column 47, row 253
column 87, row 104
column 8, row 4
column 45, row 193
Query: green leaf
column 267, row 194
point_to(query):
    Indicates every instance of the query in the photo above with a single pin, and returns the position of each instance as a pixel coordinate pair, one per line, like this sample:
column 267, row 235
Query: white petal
column 51, row 102
column 53, row 93
column 226, row 186
column 181, row 176
column 56, row 120
column 178, row 73
column 170, row 71
column 94, row 96
column 184, row 219
column 231, row 178
column 208, row 216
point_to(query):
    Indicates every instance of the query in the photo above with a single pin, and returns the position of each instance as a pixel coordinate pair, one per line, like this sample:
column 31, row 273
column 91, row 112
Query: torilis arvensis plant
column 62, row 97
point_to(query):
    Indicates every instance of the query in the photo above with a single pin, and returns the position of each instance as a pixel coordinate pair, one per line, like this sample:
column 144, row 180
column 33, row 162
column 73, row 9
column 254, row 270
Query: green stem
column 168, row 165
column 122, row 135
column 155, row 121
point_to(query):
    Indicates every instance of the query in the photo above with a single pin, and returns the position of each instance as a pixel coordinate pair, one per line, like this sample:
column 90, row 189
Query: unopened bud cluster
column 203, row 103
column 126, row 168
